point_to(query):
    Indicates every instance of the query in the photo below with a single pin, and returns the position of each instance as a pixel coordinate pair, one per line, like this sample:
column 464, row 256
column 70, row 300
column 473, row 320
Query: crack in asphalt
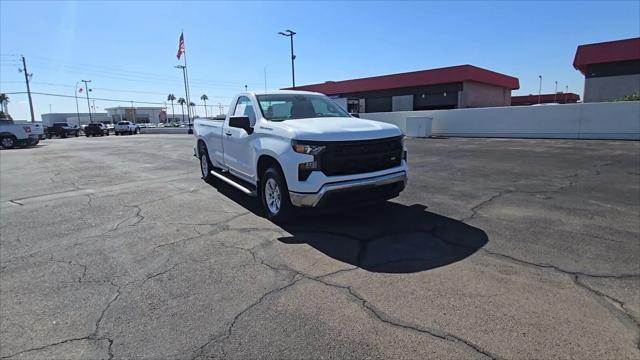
column 93, row 336
column 59, row 343
column 558, row 269
column 376, row 314
column 149, row 277
column 381, row 316
column 618, row 309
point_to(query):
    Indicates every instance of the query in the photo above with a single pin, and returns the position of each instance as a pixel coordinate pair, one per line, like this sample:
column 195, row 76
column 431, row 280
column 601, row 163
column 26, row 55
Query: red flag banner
column 180, row 46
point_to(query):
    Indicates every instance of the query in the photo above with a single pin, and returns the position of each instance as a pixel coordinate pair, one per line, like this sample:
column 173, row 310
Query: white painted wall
column 619, row 120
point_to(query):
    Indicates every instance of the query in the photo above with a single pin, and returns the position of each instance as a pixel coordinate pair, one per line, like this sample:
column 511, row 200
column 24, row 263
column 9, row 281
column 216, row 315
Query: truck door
column 238, row 154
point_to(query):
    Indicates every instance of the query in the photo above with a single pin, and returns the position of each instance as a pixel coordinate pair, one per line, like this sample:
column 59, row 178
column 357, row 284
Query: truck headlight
column 307, row 148
column 305, row 169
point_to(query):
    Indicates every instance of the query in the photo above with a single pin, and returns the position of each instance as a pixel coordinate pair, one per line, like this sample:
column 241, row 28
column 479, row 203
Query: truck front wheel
column 275, row 196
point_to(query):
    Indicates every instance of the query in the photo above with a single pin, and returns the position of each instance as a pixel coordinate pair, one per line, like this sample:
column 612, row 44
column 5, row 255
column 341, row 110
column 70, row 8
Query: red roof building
column 611, row 69
column 444, row 88
column 559, row 98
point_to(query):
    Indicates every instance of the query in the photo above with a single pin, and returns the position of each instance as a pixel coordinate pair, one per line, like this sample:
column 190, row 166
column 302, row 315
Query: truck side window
column 244, row 107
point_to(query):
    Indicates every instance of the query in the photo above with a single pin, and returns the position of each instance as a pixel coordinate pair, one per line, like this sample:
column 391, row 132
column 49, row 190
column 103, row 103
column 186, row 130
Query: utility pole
column 26, row 79
column 75, row 93
column 86, row 91
column 555, row 94
column 289, row 34
column 566, row 93
column 540, row 90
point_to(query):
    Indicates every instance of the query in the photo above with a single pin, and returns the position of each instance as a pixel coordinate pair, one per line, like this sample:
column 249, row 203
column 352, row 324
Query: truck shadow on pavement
column 386, row 237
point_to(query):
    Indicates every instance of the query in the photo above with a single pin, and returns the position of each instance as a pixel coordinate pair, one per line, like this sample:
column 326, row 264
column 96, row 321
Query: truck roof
column 278, row 92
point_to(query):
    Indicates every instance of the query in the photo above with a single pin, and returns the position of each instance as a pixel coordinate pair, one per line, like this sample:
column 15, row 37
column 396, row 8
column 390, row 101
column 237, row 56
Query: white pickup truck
column 300, row 149
column 14, row 134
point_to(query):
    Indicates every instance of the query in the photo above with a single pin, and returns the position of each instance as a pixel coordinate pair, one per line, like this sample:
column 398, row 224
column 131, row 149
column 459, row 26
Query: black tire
column 87, row 135
column 130, row 132
column 205, row 163
column 77, row 133
column 116, row 133
column 107, row 133
column 9, row 142
column 285, row 209
column 49, row 136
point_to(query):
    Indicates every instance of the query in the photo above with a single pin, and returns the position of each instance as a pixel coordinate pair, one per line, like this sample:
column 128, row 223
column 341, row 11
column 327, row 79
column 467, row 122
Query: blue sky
column 128, row 48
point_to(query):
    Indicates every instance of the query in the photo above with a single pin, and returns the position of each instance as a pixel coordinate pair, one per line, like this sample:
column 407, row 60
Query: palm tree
column 182, row 101
column 4, row 99
column 193, row 108
column 204, row 98
column 172, row 98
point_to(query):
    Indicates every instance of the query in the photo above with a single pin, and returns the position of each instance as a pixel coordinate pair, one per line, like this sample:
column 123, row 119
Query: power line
column 96, row 88
column 93, row 98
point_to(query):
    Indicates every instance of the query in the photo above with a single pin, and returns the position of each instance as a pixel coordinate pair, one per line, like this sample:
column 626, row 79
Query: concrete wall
column 619, row 120
column 475, row 94
column 608, row 88
column 166, row 130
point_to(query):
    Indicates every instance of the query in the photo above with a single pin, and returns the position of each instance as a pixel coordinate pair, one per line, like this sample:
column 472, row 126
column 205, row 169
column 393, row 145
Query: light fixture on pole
column 289, row 34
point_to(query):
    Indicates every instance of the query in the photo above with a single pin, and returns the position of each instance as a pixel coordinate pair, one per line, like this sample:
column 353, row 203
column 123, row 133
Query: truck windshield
column 279, row 107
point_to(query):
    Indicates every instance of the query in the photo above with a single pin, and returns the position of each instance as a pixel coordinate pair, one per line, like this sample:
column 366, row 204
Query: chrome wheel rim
column 7, row 142
column 272, row 196
column 204, row 165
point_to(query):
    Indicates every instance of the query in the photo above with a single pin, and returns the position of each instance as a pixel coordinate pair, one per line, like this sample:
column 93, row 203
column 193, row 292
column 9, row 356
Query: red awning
column 417, row 78
column 606, row 52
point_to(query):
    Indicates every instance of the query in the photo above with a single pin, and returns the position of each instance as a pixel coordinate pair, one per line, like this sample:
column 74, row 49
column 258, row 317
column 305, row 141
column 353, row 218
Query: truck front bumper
column 390, row 184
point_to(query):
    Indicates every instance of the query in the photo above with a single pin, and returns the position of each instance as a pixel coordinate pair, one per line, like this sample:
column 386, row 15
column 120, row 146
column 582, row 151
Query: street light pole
column 86, row 90
column 540, row 90
column 289, row 34
column 555, row 94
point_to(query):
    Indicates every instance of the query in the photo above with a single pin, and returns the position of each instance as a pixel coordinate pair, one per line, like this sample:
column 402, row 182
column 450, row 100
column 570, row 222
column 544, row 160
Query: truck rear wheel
column 205, row 163
column 275, row 196
column 8, row 142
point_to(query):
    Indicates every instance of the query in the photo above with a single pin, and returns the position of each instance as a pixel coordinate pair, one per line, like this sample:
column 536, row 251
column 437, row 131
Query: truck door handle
column 228, row 134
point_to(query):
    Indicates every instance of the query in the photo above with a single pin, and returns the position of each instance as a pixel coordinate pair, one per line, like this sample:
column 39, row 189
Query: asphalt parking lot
column 114, row 248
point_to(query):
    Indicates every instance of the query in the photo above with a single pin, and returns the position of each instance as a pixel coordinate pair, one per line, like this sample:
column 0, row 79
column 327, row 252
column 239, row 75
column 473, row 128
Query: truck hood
column 339, row 129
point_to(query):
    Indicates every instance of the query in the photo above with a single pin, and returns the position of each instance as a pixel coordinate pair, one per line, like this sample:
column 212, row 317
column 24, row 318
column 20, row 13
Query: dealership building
column 557, row 98
column 611, row 69
column 152, row 115
column 464, row 86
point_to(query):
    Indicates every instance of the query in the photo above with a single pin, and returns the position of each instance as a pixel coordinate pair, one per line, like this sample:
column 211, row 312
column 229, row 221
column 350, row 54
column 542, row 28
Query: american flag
column 180, row 46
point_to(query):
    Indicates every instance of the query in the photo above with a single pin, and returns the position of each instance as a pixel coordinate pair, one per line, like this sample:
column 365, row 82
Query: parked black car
column 62, row 130
column 97, row 129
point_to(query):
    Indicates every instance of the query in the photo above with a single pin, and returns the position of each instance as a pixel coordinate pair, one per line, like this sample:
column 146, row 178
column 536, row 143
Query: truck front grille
column 357, row 157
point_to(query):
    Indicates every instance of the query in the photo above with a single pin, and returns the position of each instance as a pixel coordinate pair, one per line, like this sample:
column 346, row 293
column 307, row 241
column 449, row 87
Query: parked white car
column 300, row 149
column 126, row 127
column 19, row 134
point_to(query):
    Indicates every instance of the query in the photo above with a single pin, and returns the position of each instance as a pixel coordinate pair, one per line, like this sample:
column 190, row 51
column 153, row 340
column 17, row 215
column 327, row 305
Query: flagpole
column 190, row 131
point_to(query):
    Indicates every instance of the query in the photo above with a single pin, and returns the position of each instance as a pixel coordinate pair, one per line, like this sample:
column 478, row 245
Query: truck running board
column 239, row 184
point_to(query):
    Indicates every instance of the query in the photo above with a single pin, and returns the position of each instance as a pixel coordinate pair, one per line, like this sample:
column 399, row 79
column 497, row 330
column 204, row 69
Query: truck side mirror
column 241, row 122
